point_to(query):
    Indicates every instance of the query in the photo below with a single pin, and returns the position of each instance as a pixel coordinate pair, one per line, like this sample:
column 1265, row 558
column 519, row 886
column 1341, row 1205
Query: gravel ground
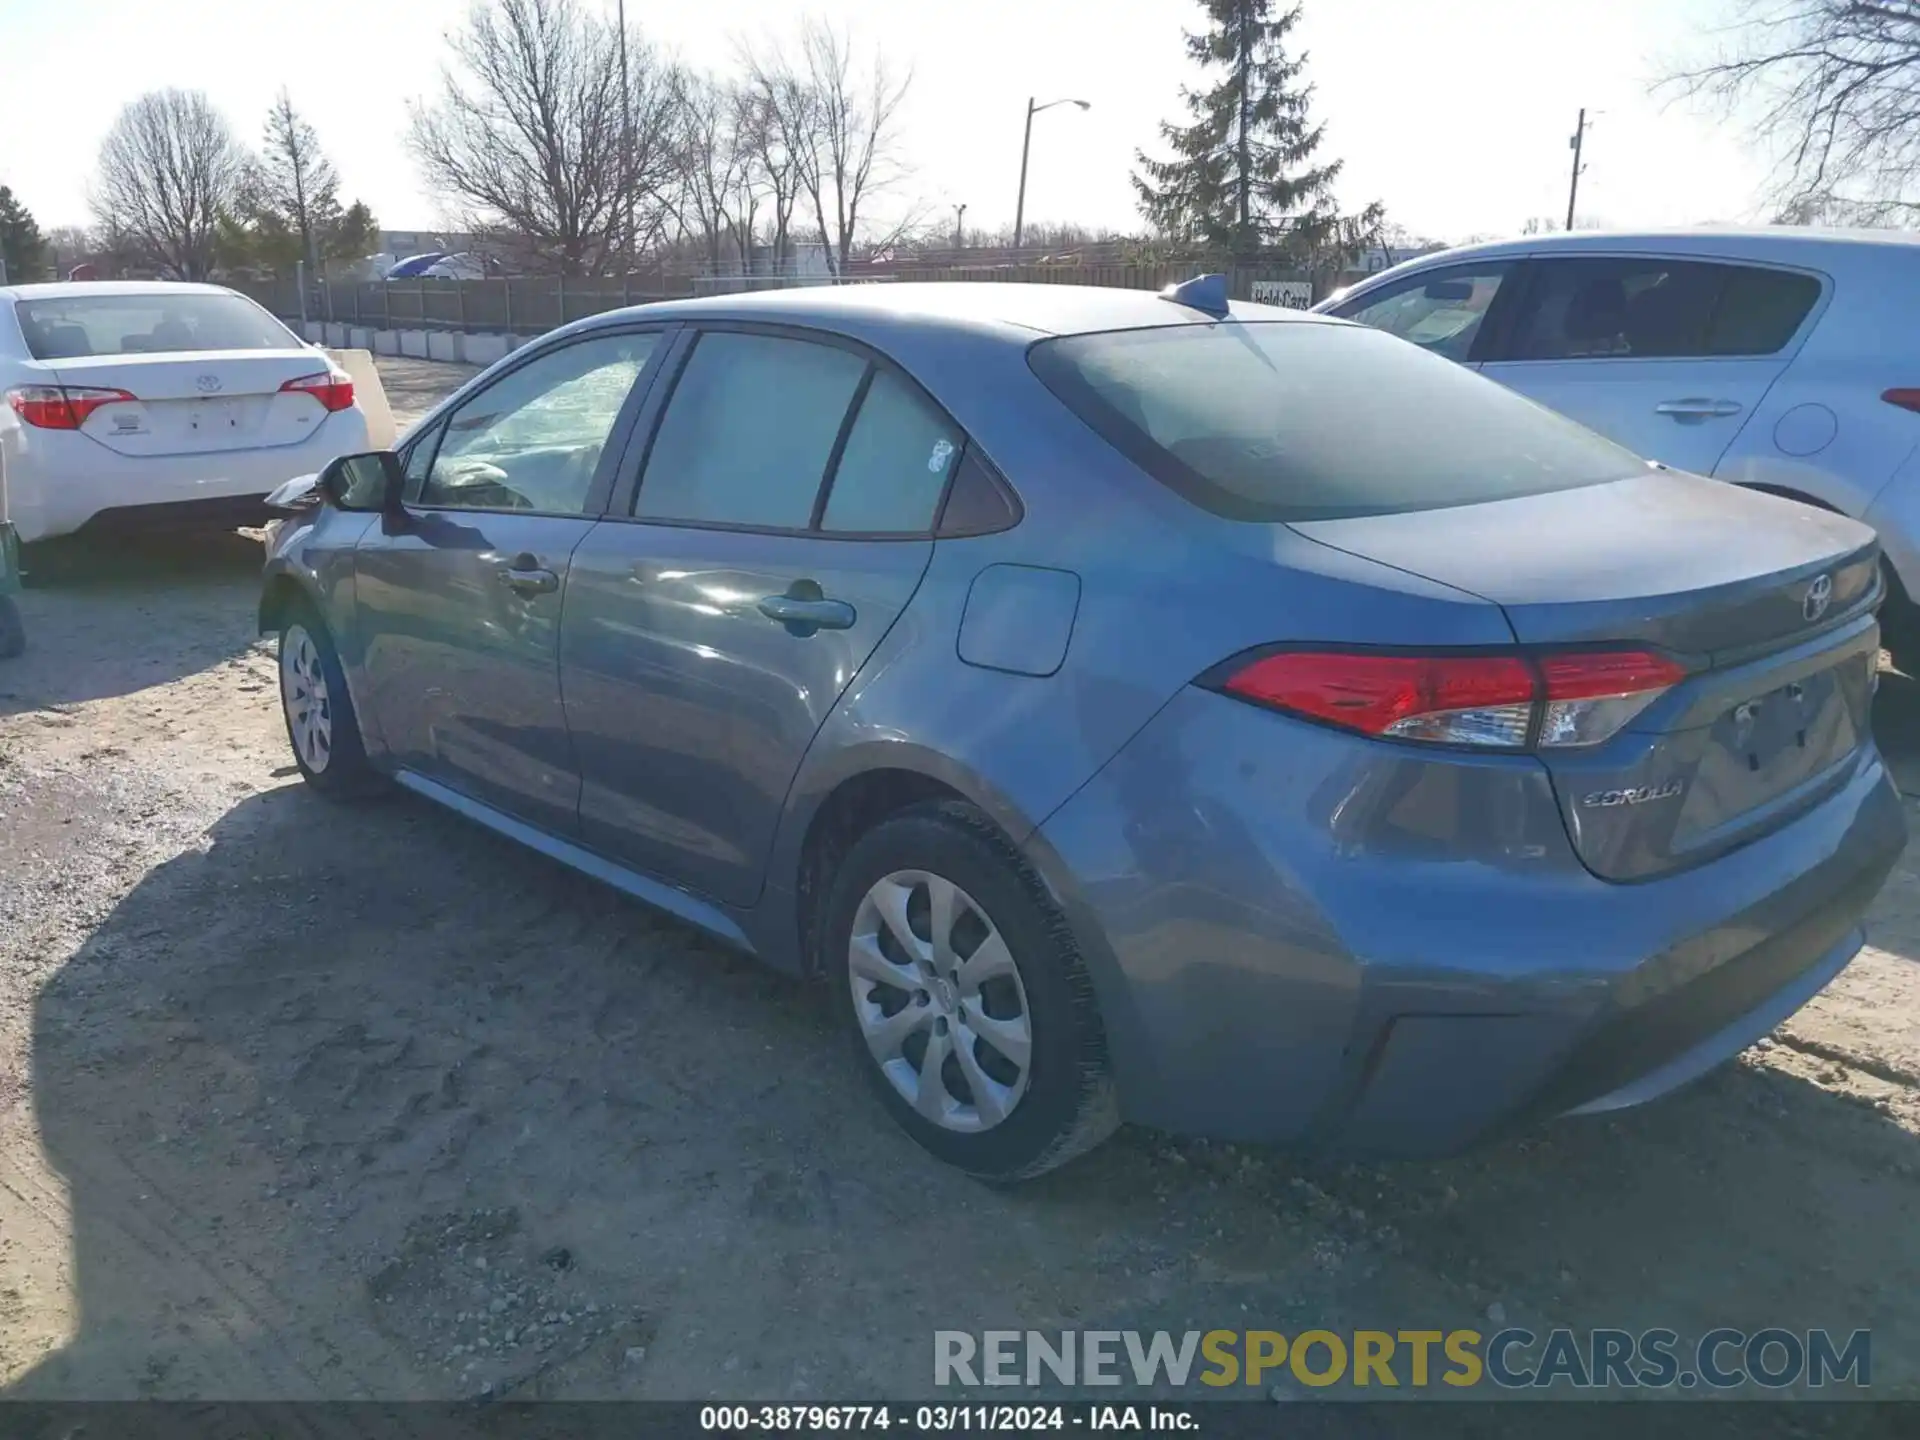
column 303, row 1101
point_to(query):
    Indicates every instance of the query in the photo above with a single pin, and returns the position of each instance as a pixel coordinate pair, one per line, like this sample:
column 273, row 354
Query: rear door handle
column 803, row 610
column 525, row 575
column 1697, row 409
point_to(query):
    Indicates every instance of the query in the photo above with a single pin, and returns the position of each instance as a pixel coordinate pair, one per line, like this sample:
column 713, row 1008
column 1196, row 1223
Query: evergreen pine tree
column 1242, row 178
column 21, row 243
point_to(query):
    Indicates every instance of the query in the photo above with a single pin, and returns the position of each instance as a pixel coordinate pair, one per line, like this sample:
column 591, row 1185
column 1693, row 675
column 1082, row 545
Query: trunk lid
column 199, row 403
column 1767, row 602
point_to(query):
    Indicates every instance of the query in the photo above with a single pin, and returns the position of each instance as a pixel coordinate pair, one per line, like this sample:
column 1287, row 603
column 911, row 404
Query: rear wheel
column 968, row 1007
column 321, row 724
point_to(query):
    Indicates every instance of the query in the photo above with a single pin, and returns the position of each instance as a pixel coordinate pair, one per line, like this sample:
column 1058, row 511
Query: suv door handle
column 525, row 575
column 804, row 609
column 1697, row 409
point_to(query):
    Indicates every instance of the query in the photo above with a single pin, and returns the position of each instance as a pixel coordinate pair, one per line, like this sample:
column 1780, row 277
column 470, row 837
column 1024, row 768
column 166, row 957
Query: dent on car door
column 1669, row 357
column 782, row 524
column 459, row 602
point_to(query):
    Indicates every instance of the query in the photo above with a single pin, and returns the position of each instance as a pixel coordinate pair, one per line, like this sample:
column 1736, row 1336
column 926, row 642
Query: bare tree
column 169, row 170
column 722, row 183
column 1833, row 87
column 531, row 132
column 839, row 122
column 296, row 180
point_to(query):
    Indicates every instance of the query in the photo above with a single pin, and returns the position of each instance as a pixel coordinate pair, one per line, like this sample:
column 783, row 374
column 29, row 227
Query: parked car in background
column 1778, row 358
column 141, row 405
column 461, row 266
column 1238, row 722
column 414, row 265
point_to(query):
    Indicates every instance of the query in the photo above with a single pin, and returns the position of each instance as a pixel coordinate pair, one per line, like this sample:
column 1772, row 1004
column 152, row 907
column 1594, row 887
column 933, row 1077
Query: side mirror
column 372, row 482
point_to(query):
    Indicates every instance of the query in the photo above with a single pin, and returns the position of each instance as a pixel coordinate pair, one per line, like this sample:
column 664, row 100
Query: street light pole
column 960, row 227
column 1026, row 145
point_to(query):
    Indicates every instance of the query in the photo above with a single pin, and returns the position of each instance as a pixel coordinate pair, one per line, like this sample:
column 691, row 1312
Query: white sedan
column 138, row 406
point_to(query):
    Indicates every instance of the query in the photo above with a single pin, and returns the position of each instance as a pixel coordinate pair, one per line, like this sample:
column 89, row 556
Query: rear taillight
column 61, row 407
column 1503, row 701
column 333, row 390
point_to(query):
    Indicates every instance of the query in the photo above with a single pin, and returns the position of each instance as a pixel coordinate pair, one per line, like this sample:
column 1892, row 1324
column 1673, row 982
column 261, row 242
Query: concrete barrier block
column 336, row 335
column 485, row 349
column 386, row 342
column 443, row 345
column 359, row 337
column 316, row 331
column 414, row 343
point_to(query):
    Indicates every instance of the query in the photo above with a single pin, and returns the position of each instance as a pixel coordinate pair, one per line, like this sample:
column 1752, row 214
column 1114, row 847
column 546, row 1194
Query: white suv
column 1780, row 358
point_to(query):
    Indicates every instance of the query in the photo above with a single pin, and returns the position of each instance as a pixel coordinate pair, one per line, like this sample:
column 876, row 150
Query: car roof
column 60, row 289
column 1780, row 241
column 1013, row 311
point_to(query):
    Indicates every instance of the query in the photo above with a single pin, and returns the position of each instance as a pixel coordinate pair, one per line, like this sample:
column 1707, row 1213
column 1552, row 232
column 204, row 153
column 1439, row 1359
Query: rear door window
column 750, row 432
column 1654, row 308
column 895, row 465
column 1311, row 421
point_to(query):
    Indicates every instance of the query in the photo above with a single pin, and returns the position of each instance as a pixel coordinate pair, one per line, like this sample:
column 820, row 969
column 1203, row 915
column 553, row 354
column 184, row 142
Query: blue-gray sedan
column 1224, row 719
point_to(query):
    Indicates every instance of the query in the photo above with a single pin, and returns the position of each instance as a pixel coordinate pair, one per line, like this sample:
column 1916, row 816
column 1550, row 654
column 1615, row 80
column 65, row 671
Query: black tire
column 13, row 630
column 1068, row 1105
column 340, row 770
column 1900, row 627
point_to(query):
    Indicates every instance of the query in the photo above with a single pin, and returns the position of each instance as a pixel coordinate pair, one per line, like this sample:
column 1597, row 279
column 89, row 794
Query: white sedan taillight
column 61, row 407
column 1502, row 701
column 332, row 389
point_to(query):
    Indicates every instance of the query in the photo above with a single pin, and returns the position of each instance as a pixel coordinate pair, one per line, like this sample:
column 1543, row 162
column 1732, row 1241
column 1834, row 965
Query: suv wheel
column 967, row 1003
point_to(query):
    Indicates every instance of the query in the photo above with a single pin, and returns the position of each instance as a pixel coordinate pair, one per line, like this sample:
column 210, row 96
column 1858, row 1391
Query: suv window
column 894, row 468
column 750, row 431
column 1310, row 421
column 532, row 440
column 1653, row 308
column 1441, row 311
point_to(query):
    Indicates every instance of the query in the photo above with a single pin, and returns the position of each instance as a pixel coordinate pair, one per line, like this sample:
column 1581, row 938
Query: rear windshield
column 71, row 327
column 1302, row 421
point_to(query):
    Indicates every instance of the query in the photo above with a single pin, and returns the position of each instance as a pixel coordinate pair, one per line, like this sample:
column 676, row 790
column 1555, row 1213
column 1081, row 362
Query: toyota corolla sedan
column 1135, row 707
column 136, row 406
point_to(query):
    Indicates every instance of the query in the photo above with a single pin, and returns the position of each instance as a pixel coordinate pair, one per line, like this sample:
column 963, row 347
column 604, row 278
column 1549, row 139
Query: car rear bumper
column 61, row 482
column 1298, row 935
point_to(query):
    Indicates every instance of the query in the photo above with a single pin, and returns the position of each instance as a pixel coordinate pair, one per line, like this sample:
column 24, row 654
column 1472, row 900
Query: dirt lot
column 301, row 1101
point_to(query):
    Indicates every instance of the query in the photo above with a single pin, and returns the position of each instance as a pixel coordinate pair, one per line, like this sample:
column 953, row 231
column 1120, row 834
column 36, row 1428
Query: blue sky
column 1455, row 114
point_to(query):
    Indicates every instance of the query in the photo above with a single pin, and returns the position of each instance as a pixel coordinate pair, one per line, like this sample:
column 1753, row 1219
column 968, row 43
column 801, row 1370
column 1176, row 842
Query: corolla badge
column 206, row 384
column 1819, row 597
column 1641, row 795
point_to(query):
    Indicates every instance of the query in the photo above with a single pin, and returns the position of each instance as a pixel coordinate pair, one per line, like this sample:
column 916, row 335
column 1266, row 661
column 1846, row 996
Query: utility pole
column 626, row 144
column 1574, row 144
column 960, row 227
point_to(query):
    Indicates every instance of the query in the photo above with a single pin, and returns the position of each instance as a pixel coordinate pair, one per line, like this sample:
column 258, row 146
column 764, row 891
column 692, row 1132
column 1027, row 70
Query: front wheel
column 321, row 722
column 968, row 1005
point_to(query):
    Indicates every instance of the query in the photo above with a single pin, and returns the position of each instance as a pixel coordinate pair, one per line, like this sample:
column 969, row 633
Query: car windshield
column 71, row 327
column 1283, row 421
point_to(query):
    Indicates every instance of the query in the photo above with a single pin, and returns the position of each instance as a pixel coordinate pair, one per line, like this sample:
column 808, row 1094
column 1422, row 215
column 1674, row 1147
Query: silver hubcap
column 303, row 690
column 939, row 1001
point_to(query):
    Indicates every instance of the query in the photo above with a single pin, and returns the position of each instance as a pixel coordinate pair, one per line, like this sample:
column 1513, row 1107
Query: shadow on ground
column 193, row 596
column 364, row 1102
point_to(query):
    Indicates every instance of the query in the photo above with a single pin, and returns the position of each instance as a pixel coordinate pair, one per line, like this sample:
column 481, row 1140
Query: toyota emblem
column 1819, row 596
column 206, row 384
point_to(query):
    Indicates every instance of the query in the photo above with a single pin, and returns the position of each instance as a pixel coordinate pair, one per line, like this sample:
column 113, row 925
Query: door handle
column 1697, row 409
column 803, row 610
column 525, row 575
